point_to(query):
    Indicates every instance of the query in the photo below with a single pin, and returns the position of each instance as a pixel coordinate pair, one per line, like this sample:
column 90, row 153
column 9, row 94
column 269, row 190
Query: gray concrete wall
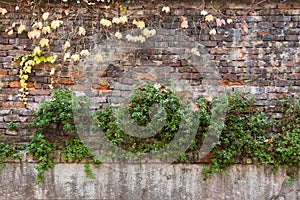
column 146, row 181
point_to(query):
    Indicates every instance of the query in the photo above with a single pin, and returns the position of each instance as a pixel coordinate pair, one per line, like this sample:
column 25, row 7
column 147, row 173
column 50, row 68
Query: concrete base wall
column 146, row 181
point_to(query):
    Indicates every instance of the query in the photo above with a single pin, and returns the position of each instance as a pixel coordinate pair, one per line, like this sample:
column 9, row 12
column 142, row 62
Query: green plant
column 39, row 148
column 12, row 126
column 56, row 111
column 75, row 150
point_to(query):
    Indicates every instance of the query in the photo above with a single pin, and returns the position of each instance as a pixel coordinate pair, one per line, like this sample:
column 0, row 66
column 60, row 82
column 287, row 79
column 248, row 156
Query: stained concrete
column 146, row 181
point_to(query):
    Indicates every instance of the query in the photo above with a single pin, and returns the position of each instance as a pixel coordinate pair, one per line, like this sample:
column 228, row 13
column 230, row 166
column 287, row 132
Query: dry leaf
column 98, row 58
column 21, row 28
column 213, row 32
column 81, row 31
column 229, row 21
column 195, row 51
column 10, row 32
column 3, row 11
column 204, row 12
column 209, row 18
column 245, row 28
column 67, row 45
column 75, row 57
column 85, row 52
column 37, row 25
column 118, row 35
column 37, row 51
column 139, row 24
column 56, row 24
column 52, row 71
column 66, row 56
column 105, row 22
column 44, row 42
column 46, row 30
column 166, row 9
column 45, row 16
column 35, row 34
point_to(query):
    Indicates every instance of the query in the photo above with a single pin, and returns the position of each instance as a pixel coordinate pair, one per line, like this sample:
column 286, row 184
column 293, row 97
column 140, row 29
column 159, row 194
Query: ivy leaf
column 105, row 22
column 220, row 22
column 46, row 30
column 118, row 35
column 44, row 42
column 35, row 34
column 56, row 24
column 37, row 25
column 139, row 24
column 195, row 51
column 184, row 23
column 98, row 58
column 81, row 31
column 67, row 45
column 85, row 52
column 37, row 51
column 3, row 11
column 166, row 9
column 229, row 21
column 45, row 16
column 52, row 71
column 213, row 32
column 204, row 12
column 66, row 56
column 10, row 32
column 209, row 18
column 75, row 57
column 245, row 28
column 21, row 28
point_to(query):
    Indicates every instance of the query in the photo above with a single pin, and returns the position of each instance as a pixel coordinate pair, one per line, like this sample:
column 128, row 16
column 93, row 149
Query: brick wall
column 263, row 60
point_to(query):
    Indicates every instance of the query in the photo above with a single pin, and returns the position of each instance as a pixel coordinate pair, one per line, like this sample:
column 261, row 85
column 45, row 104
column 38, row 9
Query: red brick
column 147, row 76
column 66, row 81
column 38, row 92
column 230, row 83
column 3, row 72
column 11, row 104
column 15, row 84
column 101, row 87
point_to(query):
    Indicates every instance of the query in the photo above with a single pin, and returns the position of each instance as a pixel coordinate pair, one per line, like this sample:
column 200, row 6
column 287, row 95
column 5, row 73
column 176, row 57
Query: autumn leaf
column 166, row 9
column 10, row 32
column 45, row 16
column 75, row 57
column 245, row 28
column 3, row 11
column 195, row 51
column 184, row 23
column 85, row 52
column 52, row 72
column 229, row 21
column 220, row 22
column 46, row 30
column 204, row 12
column 44, row 42
column 123, row 19
column 67, row 45
column 105, row 22
column 56, row 24
column 98, row 58
column 142, row 39
column 209, row 18
column 213, row 32
column 66, row 56
column 35, row 34
column 37, row 51
column 139, row 24
column 81, row 31
column 21, row 28
column 208, row 99
column 37, row 25
column 118, row 35
column 116, row 20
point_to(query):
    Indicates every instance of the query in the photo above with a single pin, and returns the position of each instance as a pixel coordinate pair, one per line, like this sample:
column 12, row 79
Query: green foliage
column 75, row 150
column 5, row 152
column 141, row 101
column 12, row 126
column 39, row 148
column 57, row 111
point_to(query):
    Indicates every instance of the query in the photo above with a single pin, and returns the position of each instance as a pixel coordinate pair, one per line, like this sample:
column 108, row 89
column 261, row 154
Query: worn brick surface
column 263, row 61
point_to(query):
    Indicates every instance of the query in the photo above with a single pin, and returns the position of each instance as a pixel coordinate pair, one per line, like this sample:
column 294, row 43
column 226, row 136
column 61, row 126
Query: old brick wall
column 263, row 60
